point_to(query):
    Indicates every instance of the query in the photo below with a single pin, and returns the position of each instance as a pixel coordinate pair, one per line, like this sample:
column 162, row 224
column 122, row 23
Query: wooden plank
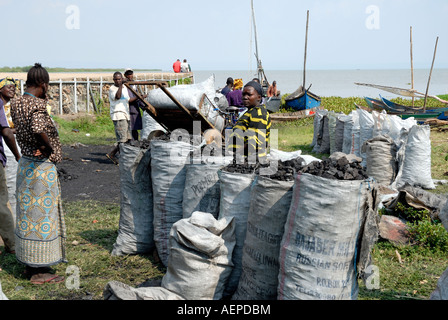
column 149, row 108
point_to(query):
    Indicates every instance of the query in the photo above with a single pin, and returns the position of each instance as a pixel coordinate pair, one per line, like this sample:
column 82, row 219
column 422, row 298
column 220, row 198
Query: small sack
column 200, row 261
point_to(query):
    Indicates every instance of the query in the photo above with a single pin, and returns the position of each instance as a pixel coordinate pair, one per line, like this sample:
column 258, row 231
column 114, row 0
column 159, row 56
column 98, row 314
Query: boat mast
column 412, row 70
column 255, row 32
column 430, row 75
column 306, row 48
column 260, row 70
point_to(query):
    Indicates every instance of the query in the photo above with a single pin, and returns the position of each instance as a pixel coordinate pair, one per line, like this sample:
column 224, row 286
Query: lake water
column 341, row 83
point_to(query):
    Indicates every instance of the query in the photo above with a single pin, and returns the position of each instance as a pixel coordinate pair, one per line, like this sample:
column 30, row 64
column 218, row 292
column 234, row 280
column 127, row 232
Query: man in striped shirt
column 251, row 135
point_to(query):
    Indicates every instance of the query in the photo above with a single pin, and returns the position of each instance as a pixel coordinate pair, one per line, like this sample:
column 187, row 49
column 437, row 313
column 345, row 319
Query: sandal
column 113, row 159
column 42, row 278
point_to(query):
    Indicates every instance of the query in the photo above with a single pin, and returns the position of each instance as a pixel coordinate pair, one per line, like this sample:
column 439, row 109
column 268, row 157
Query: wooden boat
column 393, row 107
column 293, row 116
column 399, row 107
column 303, row 99
column 441, row 113
column 375, row 104
column 420, row 116
column 402, row 92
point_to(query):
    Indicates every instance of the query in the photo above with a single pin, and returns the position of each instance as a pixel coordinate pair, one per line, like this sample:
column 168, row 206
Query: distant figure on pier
column 177, row 66
column 185, row 67
column 228, row 88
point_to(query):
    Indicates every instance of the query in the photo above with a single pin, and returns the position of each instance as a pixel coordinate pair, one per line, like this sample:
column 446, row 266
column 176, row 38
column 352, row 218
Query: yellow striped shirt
column 251, row 134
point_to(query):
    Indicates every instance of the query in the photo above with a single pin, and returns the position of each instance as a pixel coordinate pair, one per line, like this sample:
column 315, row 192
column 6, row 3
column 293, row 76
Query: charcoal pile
column 206, row 151
column 337, row 169
column 244, row 168
column 285, row 170
column 144, row 144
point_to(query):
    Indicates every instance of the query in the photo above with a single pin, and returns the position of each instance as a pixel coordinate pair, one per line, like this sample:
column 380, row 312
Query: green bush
column 425, row 231
column 411, row 214
column 430, row 235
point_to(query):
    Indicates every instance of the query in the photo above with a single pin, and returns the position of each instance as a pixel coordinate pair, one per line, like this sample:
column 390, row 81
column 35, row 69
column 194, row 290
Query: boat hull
column 440, row 114
column 307, row 100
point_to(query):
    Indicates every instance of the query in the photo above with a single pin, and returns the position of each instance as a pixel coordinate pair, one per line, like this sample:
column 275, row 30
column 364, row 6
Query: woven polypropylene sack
column 320, row 242
column 415, row 167
column 235, row 203
column 380, row 156
column 168, row 175
column 269, row 207
column 202, row 188
column 200, row 261
column 136, row 230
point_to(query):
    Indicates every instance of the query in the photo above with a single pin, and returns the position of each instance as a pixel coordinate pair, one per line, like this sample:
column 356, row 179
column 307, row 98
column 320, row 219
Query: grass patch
column 91, row 233
column 86, row 129
column 415, row 278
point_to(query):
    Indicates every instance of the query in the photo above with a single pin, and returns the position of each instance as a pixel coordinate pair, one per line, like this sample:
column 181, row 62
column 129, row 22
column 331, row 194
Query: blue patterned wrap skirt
column 40, row 225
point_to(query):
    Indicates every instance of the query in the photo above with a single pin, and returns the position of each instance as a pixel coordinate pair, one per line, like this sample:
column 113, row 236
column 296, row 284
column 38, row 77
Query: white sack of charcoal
column 366, row 124
column 202, row 189
column 168, row 174
column 236, row 182
column 414, row 159
column 381, row 162
column 324, row 231
column 351, row 134
column 269, row 206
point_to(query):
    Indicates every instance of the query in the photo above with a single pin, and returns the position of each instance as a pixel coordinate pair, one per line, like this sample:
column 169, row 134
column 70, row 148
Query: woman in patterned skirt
column 40, row 225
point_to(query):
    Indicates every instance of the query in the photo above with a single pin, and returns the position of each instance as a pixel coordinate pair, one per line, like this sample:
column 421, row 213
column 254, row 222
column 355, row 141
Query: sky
column 219, row 35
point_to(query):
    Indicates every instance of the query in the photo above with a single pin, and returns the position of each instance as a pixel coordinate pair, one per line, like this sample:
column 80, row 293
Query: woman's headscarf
column 256, row 86
column 238, row 84
column 7, row 81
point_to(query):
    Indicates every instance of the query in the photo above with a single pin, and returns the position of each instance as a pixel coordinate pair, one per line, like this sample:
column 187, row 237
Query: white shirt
column 119, row 109
column 185, row 67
